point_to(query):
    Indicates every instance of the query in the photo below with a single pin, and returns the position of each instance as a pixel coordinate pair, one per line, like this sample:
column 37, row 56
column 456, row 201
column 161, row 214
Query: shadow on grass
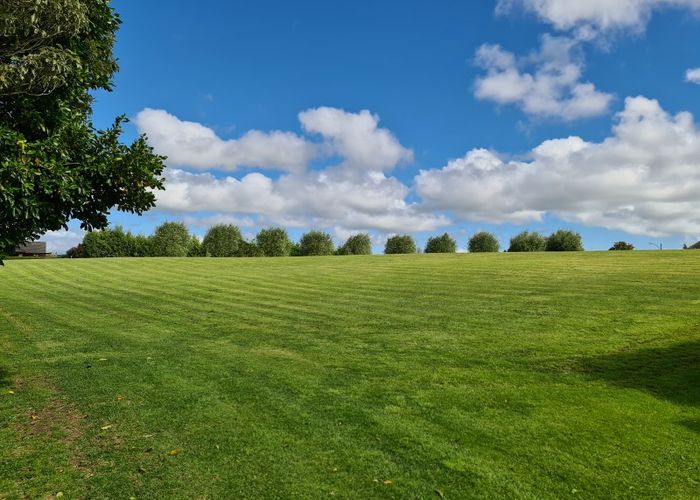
column 671, row 373
column 4, row 377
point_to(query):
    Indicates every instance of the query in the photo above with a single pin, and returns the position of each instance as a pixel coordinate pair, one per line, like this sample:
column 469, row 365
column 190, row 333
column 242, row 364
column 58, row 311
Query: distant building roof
column 32, row 248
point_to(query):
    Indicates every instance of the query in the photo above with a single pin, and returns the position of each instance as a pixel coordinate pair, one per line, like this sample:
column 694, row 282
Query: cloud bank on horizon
column 643, row 179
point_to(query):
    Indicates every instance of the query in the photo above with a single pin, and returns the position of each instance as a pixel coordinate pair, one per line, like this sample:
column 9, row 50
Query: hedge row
column 172, row 239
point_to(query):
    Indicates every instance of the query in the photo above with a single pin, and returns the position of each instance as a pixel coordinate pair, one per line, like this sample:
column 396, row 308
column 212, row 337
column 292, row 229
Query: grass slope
column 518, row 376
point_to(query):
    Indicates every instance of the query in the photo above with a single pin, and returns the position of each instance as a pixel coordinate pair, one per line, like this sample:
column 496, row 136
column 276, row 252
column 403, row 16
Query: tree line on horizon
column 173, row 239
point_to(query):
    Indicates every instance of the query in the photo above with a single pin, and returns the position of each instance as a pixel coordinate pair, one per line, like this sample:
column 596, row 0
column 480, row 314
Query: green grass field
column 504, row 375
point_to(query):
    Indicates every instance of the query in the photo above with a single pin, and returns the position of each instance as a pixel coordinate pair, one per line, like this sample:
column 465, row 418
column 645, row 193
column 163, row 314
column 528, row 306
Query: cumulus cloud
column 59, row 241
column 591, row 17
column 357, row 138
column 643, row 179
column 693, row 76
column 356, row 193
column 207, row 221
column 191, row 144
column 332, row 197
column 547, row 83
column 325, row 198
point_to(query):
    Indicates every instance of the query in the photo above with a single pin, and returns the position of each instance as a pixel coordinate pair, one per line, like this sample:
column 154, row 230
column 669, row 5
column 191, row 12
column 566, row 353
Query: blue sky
column 482, row 84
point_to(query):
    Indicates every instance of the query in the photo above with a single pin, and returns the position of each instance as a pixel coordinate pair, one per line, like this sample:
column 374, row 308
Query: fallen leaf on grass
column 105, row 427
column 386, row 481
column 119, row 398
column 10, row 392
column 175, row 452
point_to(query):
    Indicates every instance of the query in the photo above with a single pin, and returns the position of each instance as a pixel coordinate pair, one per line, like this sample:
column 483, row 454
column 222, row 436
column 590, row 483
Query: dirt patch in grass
column 58, row 419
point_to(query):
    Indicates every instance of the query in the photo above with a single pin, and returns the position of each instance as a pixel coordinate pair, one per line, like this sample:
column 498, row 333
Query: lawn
column 427, row 376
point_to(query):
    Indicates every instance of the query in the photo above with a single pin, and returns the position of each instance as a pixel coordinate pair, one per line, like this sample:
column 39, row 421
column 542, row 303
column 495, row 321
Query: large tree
column 54, row 165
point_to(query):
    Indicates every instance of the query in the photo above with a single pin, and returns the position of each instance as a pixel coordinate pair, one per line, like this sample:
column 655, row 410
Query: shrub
column 273, row 242
column 564, row 241
column 441, row 244
column 140, row 245
column 249, row 249
column 97, row 244
column 222, row 240
column 400, row 244
column 316, row 243
column 75, row 252
column 171, row 239
column 527, row 242
column 358, row 244
column 194, row 248
column 109, row 242
column 483, row 242
column 295, row 250
column 622, row 245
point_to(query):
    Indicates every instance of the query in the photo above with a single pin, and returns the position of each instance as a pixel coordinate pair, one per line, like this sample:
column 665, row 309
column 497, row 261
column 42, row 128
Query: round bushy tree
column 564, row 240
column 441, row 244
column 622, row 245
column 222, row 240
column 171, row 239
column 273, row 242
column 400, row 244
column 358, row 244
column 483, row 242
column 316, row 243
column 527, row 242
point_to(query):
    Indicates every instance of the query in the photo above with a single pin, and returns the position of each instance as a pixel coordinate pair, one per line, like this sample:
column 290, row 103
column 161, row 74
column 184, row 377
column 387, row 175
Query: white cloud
column 357, row 138
column 328, row 198
column 693, row 76
column 335, row 196
column 211, row 220
column 355, row 194
column 59, row 241
column 643, row 179
column 191, row 144
column 591, row 17
column 546, row 83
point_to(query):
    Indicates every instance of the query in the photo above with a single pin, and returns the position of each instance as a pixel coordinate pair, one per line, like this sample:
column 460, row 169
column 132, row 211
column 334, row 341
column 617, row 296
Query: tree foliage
column 170, row 239
column 441, row 244
column 564, row 240
column 54, row 165
column 273, row 242
column 527, row 242
column 194, row 248
column 398, row 244
column 622, row 245
column 358, row 244
column 222, row 240
column 316, row 243
column 113, row 242
column 250, row 249
column 483, row 242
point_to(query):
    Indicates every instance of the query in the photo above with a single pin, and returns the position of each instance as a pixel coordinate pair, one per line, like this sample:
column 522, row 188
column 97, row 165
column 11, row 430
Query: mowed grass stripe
column 516, row 376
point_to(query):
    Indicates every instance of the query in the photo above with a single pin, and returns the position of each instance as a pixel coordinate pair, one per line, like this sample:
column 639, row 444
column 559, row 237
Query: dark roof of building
column 696, row 246
column 33, row 247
